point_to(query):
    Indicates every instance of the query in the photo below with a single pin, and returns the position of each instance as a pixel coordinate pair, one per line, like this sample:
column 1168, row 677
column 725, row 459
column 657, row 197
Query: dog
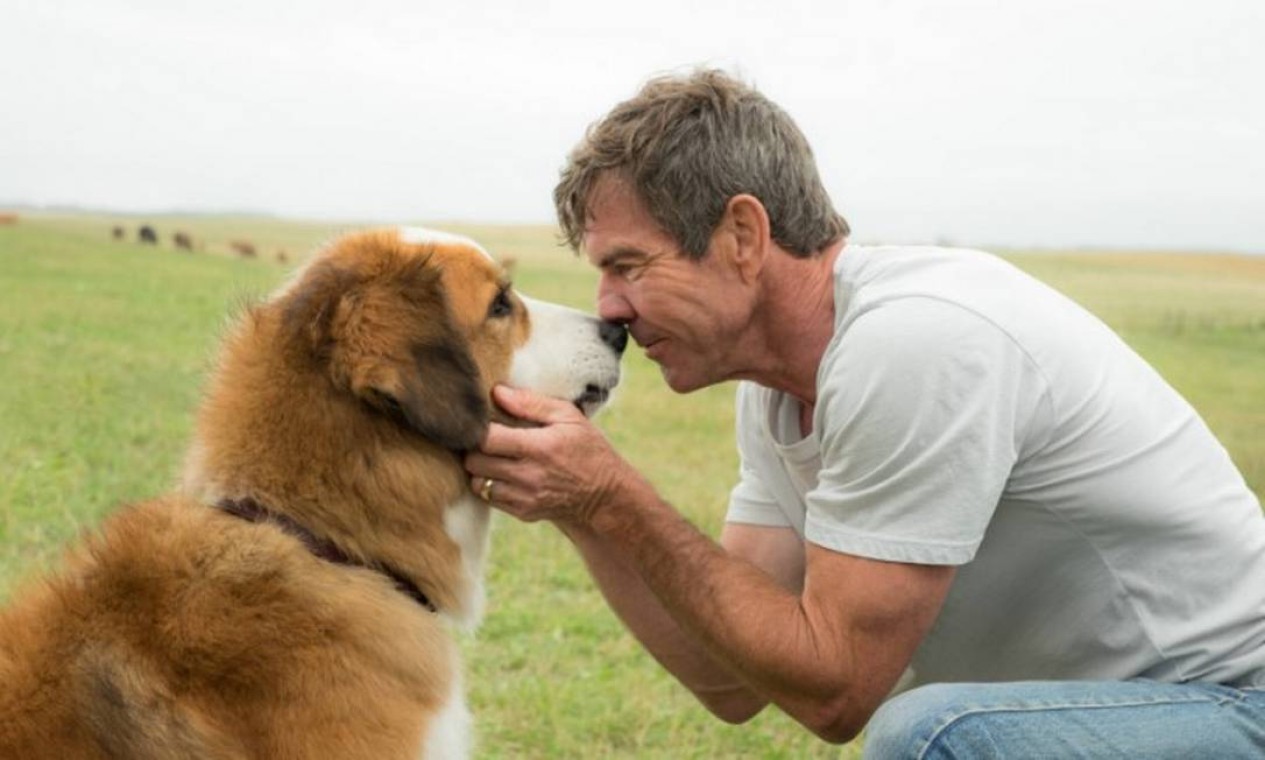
column 295, row 597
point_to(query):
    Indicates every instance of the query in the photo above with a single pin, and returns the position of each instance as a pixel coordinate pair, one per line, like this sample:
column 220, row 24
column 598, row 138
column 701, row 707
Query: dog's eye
column 501, row 306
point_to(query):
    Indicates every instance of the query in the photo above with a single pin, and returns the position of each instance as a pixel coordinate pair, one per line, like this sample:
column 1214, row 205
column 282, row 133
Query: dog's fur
column 343, row 402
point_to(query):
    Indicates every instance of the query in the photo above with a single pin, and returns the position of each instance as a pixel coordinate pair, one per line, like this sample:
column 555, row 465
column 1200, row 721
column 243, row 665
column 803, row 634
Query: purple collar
column 253, row 512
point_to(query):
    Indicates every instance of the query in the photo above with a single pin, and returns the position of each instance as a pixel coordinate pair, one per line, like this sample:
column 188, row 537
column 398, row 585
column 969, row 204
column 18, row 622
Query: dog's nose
column 614, row 335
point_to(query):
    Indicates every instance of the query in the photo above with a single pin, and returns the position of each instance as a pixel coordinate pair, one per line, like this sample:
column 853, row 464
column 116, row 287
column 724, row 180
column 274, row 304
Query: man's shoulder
column 886, row 262
column 915, row 250
column 981, row 283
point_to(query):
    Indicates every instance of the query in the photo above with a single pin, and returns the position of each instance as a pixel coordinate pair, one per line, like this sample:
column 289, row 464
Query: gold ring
column 485, row 492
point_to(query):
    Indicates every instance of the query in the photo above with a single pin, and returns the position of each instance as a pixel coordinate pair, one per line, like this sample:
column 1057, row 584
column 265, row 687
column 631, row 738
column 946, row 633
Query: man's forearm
column 678, row 652
column 732, row 611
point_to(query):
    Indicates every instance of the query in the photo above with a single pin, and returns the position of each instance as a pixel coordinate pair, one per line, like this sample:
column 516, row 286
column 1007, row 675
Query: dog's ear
column 391, row 343
column 435, row 392
column 308, row 312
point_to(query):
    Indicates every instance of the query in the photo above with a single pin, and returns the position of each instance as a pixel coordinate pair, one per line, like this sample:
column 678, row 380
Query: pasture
column 104, row 345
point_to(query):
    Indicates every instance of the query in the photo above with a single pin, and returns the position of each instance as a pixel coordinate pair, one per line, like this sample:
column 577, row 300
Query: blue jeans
column 1070, row 719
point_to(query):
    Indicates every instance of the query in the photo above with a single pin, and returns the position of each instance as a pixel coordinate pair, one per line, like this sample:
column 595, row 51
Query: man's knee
column 906, row 725
column 1068, row 718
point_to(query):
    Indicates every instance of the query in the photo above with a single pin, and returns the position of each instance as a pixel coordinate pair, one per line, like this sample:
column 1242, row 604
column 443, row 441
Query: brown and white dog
column 294, row 598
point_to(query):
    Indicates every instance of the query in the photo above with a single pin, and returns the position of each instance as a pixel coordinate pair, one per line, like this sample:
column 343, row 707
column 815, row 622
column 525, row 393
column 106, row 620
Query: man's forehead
column 611, row 186
column 619, row 227
column 615, row 205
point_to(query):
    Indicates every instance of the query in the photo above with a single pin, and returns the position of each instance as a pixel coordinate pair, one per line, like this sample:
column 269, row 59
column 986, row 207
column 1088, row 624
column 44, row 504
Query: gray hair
column 687, row 144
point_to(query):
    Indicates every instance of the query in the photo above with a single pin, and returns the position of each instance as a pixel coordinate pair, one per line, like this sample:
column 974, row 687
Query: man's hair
column 687, row 144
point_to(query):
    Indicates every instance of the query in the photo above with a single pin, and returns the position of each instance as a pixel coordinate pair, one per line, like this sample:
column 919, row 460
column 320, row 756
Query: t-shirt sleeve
column 920, row 408
column 751, row 502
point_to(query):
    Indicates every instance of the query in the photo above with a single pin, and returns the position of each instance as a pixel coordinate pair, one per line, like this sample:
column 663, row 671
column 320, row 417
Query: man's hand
column 564, row 471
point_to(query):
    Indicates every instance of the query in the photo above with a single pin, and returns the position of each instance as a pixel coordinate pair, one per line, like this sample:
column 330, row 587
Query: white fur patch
column 423, row 235
column 564, row 354
column 451, row 735
column 467, row 522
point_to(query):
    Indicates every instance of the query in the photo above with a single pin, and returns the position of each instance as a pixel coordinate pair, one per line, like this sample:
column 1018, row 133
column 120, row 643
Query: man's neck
column 795, row 324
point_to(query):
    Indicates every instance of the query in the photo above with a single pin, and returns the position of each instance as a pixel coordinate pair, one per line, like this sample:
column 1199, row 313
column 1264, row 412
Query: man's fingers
column 534, row 407
column 506, row 442
column 489, row 489
column 481, row 465
column 482, row 468
column 504, row 495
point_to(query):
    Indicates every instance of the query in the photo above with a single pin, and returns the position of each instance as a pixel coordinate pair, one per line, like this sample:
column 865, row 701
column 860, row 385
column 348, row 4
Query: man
column 947, row 469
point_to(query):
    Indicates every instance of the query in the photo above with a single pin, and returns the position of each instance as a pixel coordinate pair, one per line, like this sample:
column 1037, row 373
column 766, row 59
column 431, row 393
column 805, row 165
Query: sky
column 1046, row 123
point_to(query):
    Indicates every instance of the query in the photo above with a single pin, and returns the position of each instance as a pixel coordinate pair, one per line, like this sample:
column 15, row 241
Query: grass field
column 104, row 346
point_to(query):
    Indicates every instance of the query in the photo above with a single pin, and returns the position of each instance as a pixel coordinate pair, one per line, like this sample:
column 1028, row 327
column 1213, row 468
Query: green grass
column 103, row 349
column 104, row 346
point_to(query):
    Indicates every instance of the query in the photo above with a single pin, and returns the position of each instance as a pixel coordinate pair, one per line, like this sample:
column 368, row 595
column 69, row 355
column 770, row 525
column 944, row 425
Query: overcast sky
column 1009, row 122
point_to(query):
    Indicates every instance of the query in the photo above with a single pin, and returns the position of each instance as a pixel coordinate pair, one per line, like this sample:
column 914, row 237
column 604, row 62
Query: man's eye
column 501, row 306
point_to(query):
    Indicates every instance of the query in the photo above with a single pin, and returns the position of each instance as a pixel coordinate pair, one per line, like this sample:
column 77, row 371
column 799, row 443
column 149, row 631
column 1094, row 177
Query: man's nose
column 611, row 305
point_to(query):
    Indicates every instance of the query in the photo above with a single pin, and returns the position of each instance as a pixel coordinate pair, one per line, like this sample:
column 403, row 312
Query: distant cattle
column 8, row 218
column 118, row 233
column 244, row 248
column 183, row 241
column 282, row 256
column 147, row 235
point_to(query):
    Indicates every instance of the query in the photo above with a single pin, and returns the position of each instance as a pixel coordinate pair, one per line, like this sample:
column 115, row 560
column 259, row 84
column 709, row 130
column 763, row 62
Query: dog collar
column 253, row 512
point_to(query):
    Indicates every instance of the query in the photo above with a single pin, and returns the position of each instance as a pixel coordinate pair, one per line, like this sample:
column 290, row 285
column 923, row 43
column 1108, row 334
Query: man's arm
column 827, row 654
column 776, row 551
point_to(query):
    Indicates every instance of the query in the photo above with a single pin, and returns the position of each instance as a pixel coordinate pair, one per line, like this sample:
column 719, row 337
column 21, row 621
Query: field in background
column 104, row 345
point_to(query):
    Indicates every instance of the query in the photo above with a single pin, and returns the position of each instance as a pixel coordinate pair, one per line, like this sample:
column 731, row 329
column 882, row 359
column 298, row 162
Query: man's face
column 685, row 314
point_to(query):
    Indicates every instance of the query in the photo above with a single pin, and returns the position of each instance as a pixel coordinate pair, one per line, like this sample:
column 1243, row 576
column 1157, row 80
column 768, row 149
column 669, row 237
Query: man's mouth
column 649, row 348
column 643, row 340
column 640, row 338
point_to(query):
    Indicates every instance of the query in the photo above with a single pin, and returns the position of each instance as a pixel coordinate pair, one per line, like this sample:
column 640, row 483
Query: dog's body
column 334, row 425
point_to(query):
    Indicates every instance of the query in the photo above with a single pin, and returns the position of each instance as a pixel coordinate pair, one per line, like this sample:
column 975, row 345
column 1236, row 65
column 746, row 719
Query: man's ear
column 745, row 224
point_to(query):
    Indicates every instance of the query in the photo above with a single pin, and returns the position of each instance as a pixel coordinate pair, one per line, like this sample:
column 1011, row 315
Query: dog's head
column 419, row 326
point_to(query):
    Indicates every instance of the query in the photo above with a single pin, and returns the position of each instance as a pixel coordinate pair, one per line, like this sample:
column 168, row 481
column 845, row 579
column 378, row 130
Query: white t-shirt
column 969, row 415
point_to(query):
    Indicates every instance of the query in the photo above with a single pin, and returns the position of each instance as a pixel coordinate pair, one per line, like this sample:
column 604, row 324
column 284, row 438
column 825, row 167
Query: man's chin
column 679, row 381
column 680, row 377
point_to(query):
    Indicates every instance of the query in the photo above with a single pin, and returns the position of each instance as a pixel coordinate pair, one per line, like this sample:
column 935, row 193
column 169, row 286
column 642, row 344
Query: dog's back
column 182, row 632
